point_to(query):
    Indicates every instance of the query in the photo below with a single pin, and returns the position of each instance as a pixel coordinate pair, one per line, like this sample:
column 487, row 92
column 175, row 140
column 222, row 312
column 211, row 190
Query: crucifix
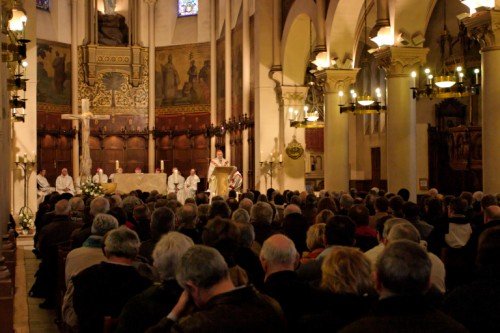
column 84, row 117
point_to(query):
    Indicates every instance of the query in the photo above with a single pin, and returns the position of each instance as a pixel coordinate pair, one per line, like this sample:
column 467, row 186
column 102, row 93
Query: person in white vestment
column 100, row 177
column 236, row 181
column 218, row 161
column 43, row 186
column 191, row 184
column 175, row 183
column 64, row 183
column 112, row 176
column 138, row 170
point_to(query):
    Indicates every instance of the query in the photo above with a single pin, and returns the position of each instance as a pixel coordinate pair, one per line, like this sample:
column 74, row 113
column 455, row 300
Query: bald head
column 491, row 213
column 278, row 254
column 291, row 209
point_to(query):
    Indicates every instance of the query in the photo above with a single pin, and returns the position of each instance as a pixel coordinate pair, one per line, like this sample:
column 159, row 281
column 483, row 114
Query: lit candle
column 25, row 158
column 117, row 164
column 85, row 105
column 476, row 71
column 460, row 77
column 281, row 158
column 17, row 158
column 162, row 165
column 341, row 97
column 414, row 76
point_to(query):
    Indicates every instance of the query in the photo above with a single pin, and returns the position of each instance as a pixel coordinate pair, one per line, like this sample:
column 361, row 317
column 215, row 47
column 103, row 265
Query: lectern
column 219, row 181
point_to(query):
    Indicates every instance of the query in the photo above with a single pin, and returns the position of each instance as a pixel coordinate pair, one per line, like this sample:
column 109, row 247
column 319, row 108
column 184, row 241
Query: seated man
column 204, row 275
column 191, row 184
column 100, row 177
column 103, row 289
column 112, row 176
column 64, row 183
column 43, row 185
column 236, row 181
column 175, row 183
column 402, row 278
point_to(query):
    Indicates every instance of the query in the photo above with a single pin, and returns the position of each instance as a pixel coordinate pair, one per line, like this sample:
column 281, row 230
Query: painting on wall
column 182, row 77
column 53, row 73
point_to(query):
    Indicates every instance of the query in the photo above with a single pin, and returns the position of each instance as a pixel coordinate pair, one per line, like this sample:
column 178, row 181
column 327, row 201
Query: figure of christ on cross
column 84, row 117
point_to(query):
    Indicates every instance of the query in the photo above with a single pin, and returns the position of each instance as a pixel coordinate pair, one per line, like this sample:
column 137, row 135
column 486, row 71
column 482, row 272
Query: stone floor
column 28, row 317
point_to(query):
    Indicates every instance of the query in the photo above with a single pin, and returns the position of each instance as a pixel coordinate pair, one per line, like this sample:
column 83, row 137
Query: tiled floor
column 28, row 317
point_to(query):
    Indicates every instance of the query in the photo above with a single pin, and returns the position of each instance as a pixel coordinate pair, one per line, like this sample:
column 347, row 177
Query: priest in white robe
column 112, row 176
column 191, row 184
column 100, row 177
column 175, row 184
column 43, row 186
column 64, row 183
column 218, row 161
column 236, row 181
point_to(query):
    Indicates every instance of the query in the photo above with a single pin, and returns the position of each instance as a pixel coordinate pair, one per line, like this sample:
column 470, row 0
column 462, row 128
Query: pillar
column 152, row 96
column 228, row 79
column 321, row 42
column 337, row 172
column 398, row 63
column 74, row 88
column 246, row 87
column 484, row 27
column 213, row 71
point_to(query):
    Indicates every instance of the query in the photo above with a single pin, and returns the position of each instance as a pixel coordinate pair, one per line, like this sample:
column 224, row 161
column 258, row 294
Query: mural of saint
column 170, row 81
column 192, row 72
column 59, row 72
column 204, row 75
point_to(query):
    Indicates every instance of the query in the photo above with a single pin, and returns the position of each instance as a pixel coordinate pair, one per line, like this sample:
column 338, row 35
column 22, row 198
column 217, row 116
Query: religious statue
column 109, row 7
column 85, row 161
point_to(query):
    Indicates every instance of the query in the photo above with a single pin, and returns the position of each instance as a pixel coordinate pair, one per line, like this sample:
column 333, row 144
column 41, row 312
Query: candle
column 476, row 71
column 162, row 165
column 85, row 105
column 117, row 164
column 414, row 77
column 17, row 158
column 281, row 158
column 25, row 158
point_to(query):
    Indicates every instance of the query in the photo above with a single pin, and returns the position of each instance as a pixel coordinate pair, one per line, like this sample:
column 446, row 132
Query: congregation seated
column 162, row 222
column 186, row 219
column 261, row 217
column 103, row 289
column 149, row 307
column 366, row 237
column 295, row 226
column 99, row 205
column 314, row 241
column 204, row 275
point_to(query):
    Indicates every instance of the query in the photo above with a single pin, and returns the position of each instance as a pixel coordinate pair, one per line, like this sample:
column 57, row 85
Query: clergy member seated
column 64, row 183
column 204, row 275
column 100, row 177
column 175, row 183
column 138, row 170
column 43, row 185
column 112, row 176
column 103, row 289
column 191, row 184
column 236, row 181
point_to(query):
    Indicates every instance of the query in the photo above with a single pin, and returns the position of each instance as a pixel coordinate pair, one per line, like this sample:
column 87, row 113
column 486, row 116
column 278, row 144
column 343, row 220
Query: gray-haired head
column 346, row 201
column 404, row 268
column 129, row 203
column 404, row 231
column 99, row 205
column 76, row 204
column 103, row 223
column 118, row 200
column 279, row 250
column 247, row 233
column 122, row 242
column 168, row 253
column 291, row 209
column 241, row 215
column 246, row 204
column 202, row 266
column 262, row 212
column 390, row 223
column 62, row 207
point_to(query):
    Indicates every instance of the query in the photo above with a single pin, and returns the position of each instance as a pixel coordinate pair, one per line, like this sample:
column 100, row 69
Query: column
column 398, row 63
column 337, row 172
column 152, row 96
column 277, row 34
column 213, row 71
column 321, row 43
column 228, row 81
column 74, row 88
column 246, row 87
column 484, row 27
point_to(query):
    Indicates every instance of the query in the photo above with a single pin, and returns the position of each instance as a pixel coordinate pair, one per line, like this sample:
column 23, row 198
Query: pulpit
column 219, row 181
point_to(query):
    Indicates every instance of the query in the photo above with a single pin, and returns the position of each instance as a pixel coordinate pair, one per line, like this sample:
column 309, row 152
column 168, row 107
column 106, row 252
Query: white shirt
column 215, row 162
column 63, row 182
column 175, row 179
column 100, row 178
column 43, row 183
column 191, row 185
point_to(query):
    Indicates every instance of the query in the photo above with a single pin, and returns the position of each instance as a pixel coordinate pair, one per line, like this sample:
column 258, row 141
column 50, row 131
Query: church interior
column 323, row 97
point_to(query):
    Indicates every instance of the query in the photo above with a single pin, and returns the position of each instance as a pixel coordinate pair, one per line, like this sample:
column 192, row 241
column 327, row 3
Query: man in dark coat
column 402, row 278
column 204, row 275
column 103, row 289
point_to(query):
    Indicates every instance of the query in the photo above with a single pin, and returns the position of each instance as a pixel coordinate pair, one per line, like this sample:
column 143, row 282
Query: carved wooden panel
column 315, row 139
column 54, row 153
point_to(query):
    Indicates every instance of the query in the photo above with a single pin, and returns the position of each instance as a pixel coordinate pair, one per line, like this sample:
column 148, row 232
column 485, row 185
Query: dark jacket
column 102, row 290
column 477, row 304
column 242, row 310
column 295, row 227
column 149, row 307
column 250, row 262
column 263, row 231
column 405, row 314
column 57, row 231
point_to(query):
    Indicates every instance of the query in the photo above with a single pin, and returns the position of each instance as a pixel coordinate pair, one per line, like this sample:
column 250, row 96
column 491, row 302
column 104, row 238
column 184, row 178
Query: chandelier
column 311, row 115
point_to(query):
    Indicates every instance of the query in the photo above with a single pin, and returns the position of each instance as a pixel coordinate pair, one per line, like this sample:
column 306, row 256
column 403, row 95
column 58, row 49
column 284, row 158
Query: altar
column 146, row 182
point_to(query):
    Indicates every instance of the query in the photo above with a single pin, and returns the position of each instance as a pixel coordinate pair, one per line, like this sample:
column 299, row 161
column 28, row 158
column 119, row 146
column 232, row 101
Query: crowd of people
column 272, row 262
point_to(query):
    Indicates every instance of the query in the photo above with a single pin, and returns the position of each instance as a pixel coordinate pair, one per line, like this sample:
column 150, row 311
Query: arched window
column 187, row 8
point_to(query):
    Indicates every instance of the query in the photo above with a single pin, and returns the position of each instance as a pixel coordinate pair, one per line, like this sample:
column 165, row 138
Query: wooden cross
column 84, row 118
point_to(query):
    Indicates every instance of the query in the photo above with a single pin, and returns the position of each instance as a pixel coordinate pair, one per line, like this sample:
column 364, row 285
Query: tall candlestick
column 117, row 164
column 25, row 158
column 281, row 158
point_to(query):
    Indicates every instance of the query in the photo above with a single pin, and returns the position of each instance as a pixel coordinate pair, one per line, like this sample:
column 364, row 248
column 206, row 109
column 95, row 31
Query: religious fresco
column 53, row 73
column 182, row 77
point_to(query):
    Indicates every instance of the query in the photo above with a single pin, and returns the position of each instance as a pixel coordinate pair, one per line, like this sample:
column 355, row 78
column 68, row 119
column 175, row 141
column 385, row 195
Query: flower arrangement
column 91, row 189
column 26, row 218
